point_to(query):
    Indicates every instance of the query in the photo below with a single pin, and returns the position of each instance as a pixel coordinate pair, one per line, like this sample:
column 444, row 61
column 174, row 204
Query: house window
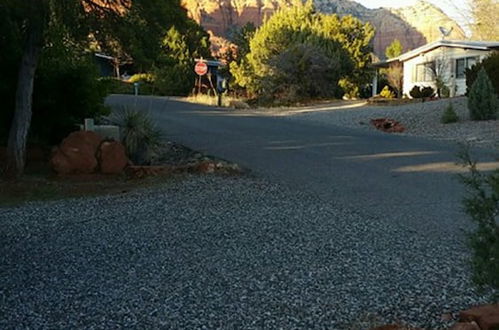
column 464, row 63
column 425, row 72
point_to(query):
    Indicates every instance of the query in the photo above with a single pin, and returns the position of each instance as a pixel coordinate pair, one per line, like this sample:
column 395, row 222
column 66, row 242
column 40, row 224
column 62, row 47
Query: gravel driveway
column 221, row 252
column 420, row 119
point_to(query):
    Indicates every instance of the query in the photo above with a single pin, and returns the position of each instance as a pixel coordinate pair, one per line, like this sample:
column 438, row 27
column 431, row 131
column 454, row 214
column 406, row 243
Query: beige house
column 443, row 59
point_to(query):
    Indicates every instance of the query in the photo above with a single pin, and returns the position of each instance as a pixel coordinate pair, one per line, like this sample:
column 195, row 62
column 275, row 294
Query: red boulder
column 487, row 316
column 388, row 125
column 112, row 157
column 77, row 153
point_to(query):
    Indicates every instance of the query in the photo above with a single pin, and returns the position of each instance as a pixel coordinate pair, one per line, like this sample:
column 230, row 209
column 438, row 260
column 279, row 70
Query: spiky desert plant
column 482, row 99
column 139, row 134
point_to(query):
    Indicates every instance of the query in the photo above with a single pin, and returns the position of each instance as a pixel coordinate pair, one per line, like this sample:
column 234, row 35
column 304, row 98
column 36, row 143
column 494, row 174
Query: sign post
column 201, row 68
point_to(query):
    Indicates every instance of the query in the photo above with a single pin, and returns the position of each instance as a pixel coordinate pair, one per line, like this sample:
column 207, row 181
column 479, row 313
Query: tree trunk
column 16, row 147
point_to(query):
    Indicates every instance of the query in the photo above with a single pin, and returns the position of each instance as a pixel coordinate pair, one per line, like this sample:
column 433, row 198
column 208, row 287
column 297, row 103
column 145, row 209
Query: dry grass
column 211, row 100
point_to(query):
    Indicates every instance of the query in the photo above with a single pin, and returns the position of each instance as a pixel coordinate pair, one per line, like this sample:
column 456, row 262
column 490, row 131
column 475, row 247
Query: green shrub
column 482, row 99
column 66, row 92
column 427, row 92
column 141, row 77
column 482, row 205
column 174, row 80
column 117, row 86
column 449, row 115
column 343, row 40
column 415, row 92
column 444, row 92
column 300, row 72
column 491, row 66
column 67, row 89
column 387, row 93
column 351, row 90
column 139, row 135
column 418, row 92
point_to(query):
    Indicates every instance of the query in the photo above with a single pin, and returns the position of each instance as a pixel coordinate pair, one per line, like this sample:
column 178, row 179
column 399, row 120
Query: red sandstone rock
column 206, row 167
column 388, row 327
column 139, row 172
column 76, row 154
column 486, row 316
column 394, row 327
column 112, row 157
column 388, row 125
column 465, row 326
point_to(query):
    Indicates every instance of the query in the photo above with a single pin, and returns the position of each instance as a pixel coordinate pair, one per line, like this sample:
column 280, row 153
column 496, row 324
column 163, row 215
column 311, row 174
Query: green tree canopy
column 241, row 38
column 37, row 29
column 394, row 49
column 344, row 40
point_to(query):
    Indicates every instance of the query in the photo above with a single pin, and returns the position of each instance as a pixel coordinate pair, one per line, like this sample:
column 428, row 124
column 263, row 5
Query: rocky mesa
column 413, row 26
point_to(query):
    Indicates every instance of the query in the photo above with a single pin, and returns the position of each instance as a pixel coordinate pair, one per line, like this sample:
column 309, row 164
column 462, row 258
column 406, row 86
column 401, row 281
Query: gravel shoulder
column 221, row 252
column 420, row 119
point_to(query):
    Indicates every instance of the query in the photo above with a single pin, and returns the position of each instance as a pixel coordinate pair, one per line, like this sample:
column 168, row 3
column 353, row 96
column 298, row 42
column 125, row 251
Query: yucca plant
column 140, row 136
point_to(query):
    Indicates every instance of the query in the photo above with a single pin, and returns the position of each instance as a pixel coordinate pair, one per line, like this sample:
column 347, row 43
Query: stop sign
column 201, row 68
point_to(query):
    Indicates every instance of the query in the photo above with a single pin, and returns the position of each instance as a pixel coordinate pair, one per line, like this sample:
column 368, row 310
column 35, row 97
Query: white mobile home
column 445, row 59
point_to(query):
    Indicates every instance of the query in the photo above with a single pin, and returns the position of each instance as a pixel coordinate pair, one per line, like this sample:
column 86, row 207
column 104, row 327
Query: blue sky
column 455, row 9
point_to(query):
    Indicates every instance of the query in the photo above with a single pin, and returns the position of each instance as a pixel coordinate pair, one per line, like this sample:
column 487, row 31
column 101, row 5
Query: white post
column 375, row 83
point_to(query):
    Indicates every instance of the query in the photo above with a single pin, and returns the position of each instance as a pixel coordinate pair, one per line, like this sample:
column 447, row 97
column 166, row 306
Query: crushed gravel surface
column 420, row 119
column 221, row 252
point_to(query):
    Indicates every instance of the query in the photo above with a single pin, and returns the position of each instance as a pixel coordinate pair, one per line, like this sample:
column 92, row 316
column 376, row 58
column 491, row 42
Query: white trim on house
column 463, row 44
column 448, row 57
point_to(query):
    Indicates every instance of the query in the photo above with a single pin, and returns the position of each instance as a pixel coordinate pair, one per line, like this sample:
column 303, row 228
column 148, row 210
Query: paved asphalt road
column 405, row 181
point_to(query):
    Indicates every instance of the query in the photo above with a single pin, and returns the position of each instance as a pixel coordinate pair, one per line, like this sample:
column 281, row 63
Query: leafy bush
column 350, row 89
column 176, row 79
column 491, row 66
column 141, row 77
column 482, row 205
column 66, row 92
column 415, row 92
column 482, row 99
column 427, row 92
column 139, row 135
column 418, row 92
column 302, row 71
column 387, row 93
column 344, row 40
column 444, row 92
column 449, row 115
column 67, row 87
column 117, row 86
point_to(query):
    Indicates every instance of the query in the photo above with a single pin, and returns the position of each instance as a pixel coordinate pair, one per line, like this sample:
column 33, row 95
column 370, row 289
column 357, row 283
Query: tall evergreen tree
column 482, row 99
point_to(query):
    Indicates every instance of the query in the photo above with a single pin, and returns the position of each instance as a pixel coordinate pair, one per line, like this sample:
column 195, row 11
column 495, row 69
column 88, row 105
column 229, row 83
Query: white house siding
column 446, row 55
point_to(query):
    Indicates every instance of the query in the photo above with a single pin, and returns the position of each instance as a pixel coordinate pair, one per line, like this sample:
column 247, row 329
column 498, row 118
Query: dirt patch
column 40, row 183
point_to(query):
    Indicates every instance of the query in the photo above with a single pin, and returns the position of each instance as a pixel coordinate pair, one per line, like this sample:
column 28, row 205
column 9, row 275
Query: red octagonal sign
column 201, row 68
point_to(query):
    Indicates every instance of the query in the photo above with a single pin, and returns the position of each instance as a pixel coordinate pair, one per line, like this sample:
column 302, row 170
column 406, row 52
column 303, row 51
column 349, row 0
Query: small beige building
column 443, row 59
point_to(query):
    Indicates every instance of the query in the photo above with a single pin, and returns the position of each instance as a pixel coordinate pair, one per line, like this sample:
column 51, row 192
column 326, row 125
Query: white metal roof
column 465, row 44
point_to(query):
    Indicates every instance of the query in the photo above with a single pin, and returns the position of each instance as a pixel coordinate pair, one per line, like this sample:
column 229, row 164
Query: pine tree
column 482, row 99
